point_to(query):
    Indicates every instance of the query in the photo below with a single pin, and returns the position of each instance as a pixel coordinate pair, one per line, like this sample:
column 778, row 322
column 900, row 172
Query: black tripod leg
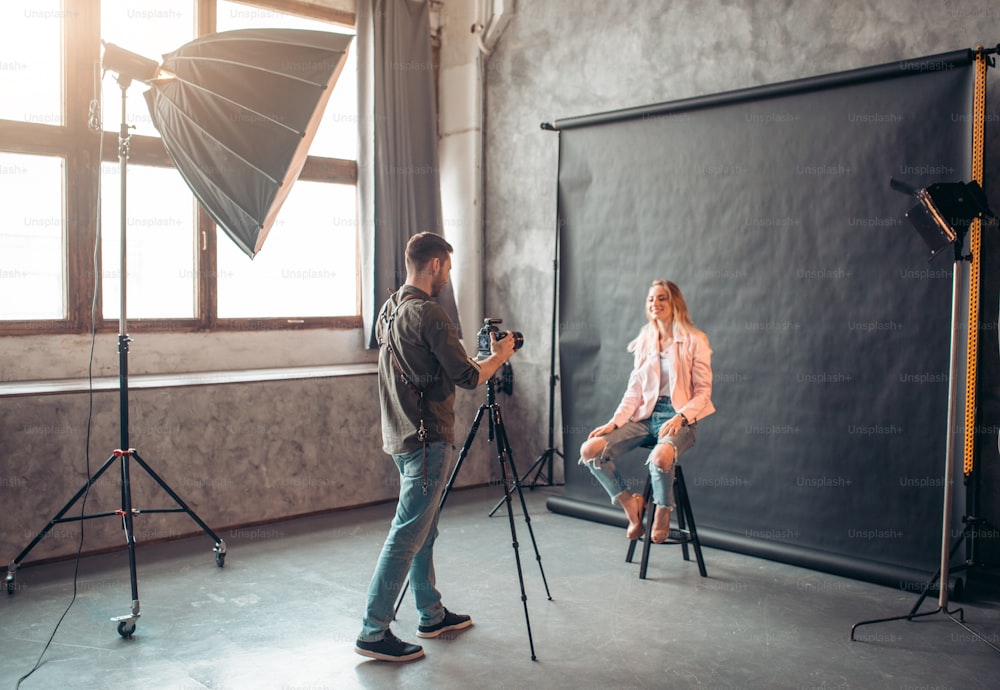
column 934, row 578
column 501, row 454
column 15, row 564
column 451, row 482
column 537, row 467
column 220, row 545
column 923, row 595
column 501, row 432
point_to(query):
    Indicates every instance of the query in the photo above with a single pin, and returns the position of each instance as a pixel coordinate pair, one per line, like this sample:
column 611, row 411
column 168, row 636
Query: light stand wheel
column 126, row 629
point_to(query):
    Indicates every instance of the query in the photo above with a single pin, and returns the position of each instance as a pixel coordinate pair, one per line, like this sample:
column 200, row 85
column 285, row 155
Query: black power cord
column 95, row 125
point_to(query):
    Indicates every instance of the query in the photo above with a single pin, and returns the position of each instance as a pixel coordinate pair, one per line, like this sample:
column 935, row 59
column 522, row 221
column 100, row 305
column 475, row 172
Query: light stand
column 126, row 623
column 240, row 150
column 942, row 217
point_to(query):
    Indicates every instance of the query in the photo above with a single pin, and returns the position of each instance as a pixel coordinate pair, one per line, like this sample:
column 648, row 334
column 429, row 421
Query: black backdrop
column 771, row 208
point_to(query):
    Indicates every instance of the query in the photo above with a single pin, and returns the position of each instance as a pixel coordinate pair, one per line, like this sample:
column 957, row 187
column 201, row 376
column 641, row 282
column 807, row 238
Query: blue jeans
column 632, row 435
column 409, row 547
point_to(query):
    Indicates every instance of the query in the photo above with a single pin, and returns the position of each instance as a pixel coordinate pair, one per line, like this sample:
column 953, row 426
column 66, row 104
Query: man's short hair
column 425, row 246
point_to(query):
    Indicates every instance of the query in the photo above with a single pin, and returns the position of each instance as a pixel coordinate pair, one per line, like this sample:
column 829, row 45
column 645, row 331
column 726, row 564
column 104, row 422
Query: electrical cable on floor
column 95, row 123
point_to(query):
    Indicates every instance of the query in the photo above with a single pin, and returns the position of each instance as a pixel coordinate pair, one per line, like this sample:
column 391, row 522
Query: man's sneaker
column 389, row 648
column 451, row 621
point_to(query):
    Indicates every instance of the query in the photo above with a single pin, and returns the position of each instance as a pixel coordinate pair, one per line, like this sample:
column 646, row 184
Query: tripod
column 123, row 455
column 946, row 551
column 498, row 432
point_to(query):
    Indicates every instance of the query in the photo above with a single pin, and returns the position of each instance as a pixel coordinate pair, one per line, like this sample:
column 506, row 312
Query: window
column 31, row 265
column 31, row 69
column 181, row 273
column 308, row 265
column 160, row 243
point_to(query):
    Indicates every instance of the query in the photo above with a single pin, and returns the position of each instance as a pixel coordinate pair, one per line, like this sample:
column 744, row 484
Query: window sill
column 206, row 378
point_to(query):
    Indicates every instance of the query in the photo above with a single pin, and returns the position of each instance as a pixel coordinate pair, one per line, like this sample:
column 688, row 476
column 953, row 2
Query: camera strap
column 421, row 430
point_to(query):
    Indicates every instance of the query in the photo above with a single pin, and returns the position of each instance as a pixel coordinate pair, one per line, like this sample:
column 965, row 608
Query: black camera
column 483, row 337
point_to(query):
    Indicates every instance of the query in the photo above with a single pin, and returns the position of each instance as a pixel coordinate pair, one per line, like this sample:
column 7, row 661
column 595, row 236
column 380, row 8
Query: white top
column 668, row 377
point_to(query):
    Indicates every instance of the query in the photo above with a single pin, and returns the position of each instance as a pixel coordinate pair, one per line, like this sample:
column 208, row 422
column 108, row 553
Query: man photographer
column 421, row 360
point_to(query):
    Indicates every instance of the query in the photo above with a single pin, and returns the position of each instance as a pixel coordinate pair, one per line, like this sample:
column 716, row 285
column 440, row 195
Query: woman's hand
column 603, row 430
column 671, row 427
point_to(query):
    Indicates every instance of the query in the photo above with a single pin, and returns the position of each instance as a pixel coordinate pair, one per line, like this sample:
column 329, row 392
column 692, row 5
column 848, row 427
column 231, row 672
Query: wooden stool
column 686, row 533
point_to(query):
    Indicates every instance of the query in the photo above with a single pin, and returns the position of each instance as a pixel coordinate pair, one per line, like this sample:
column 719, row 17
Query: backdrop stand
column 126, row 623
column 543, row 465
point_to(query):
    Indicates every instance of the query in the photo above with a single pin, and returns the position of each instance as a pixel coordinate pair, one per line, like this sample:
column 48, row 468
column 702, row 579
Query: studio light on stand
column 942, row 216
column 236, row 112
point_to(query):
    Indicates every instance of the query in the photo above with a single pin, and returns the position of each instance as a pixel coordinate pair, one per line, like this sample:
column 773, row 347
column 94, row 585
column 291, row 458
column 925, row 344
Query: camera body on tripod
column 483, row 337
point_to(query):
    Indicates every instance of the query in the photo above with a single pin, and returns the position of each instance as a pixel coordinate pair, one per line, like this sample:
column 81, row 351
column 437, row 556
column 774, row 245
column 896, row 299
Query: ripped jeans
column 632, row 435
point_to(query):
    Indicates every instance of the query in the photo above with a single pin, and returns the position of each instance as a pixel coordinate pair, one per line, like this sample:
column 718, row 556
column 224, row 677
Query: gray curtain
column 398, row 187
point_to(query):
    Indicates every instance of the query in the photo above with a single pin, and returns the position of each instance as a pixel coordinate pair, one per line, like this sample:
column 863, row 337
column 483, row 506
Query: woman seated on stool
column 669, row 390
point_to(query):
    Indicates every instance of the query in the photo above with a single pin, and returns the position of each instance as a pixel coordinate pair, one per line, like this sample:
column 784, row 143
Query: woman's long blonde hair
column 648, row 339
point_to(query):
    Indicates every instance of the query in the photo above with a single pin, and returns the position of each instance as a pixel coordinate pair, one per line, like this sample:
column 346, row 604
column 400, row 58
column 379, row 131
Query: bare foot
column 633, row 509
column 661, row 525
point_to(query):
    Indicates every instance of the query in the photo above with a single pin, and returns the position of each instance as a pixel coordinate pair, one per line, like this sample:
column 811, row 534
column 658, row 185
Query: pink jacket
column 692, row 390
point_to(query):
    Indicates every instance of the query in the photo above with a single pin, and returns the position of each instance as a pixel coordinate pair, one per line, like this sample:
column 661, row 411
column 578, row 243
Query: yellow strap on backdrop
column 972, row 351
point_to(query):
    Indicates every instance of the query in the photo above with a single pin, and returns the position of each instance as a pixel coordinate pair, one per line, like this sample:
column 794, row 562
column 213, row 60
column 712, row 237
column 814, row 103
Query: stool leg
column 648, row 537
column 688, row 515
column 680, row 498
column 631, row 551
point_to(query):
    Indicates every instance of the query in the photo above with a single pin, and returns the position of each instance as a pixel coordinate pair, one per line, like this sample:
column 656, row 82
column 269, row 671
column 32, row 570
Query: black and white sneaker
column 389, row 648
column 451, row 621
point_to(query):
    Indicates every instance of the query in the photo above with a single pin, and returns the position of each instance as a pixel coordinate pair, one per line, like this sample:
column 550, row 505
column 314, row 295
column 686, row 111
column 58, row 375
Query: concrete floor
column 285, row 610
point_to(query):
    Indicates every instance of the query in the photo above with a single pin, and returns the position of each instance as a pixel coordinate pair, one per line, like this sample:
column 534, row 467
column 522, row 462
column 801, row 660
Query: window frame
column 79, row 146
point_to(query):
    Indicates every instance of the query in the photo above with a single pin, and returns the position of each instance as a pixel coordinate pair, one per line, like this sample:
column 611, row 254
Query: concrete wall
column 561, row 58
column 236, row 453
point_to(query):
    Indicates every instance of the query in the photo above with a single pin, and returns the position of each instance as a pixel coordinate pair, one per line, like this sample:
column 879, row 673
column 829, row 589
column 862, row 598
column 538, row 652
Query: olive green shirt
column 425, row 342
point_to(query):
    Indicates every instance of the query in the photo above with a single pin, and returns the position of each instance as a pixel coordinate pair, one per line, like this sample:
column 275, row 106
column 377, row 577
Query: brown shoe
column 635, row 527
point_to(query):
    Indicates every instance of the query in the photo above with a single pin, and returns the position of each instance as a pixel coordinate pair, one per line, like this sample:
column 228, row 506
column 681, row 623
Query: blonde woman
column 668, row 392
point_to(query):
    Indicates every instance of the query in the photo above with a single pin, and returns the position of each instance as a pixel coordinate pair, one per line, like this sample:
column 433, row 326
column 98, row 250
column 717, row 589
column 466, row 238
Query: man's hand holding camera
column 500, row 351
column 504, row 348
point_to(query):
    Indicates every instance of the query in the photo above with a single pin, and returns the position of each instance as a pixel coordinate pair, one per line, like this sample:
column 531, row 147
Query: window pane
column 150, row 28
column 308, row 265
column 337, row 136
column 31, row 62
column 31, row 237
column 161, row 262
